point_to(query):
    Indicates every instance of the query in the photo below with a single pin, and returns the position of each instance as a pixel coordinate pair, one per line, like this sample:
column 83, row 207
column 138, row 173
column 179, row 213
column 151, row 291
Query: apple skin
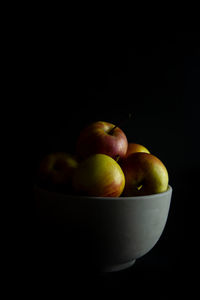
column 57, row 169
column 133, row 148
column 145, row 174
column 100, row 176
column 95, row 138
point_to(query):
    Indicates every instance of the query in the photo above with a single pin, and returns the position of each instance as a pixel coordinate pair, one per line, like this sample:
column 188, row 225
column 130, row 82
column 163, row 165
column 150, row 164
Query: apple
column 145, row 174
column 102, row 137
column 57, row 169
column 133, row 148
column 99, row 175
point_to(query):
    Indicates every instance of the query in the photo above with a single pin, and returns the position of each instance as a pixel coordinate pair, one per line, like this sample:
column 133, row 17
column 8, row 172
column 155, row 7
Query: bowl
column 107, row 233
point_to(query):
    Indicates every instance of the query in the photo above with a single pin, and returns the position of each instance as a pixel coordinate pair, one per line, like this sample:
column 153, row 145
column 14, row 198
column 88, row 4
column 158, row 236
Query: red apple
column 99, row 175
column 57, row 168
column 133, row 148
column 102, row 137
column 145, row 174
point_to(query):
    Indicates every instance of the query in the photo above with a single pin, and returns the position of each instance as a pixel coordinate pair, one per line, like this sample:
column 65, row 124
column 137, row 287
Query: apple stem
column 120, row 123
column 112, row 130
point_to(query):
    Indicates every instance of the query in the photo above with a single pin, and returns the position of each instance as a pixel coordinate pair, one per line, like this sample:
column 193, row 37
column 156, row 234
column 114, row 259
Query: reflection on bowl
column 105, row 233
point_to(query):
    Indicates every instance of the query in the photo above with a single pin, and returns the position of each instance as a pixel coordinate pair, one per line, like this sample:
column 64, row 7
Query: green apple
column 145, row 174
column 99, row 175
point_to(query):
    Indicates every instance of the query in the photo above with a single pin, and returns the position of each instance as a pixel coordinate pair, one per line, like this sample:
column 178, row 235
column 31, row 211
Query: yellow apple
column 145, row 174
column 133, row 148
column 57, row 168
column 99, row 175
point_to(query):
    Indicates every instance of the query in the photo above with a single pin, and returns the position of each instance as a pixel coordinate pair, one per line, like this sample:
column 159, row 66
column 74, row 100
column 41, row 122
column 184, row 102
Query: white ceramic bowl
column 110, row 233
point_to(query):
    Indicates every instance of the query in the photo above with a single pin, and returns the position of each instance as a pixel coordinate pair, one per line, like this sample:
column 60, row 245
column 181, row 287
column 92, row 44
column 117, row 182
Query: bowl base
column 119, row 267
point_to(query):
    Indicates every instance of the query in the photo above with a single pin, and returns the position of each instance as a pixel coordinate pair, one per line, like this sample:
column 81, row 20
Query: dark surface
column 156, row 78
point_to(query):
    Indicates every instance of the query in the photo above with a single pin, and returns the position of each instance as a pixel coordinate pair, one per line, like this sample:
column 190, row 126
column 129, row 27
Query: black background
column 155, row 77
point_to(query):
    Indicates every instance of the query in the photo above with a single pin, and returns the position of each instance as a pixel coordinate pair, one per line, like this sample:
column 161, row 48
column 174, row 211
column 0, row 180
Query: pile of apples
column 105, row 165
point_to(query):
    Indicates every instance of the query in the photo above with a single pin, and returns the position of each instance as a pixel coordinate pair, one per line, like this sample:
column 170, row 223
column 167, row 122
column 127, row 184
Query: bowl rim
column 168, row 191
